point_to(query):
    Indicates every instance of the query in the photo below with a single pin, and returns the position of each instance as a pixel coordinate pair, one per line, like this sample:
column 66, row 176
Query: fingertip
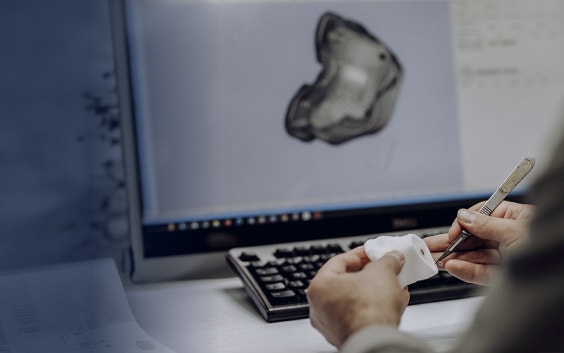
column 393, row 260
column 466, row 216
column 437, row 243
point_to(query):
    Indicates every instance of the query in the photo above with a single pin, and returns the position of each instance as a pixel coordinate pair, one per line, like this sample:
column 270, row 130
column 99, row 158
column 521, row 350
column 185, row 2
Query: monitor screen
column 261, row 121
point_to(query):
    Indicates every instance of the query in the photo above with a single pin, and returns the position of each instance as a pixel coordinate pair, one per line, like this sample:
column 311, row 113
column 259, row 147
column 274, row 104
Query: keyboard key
column 275, row 286
column 302, row 251
column 334, row 248
column 312, row 258
column 283, row 253
column 269, row 279
column 296, row 284
column 284, row 294
column 266, row 271
column 306, row 267
column 288, row 268
column 298, row 275
column 284, row 297
column 256, row 264
column 318, row 249
column 355, row 244
column 248, row 257
column 326, row 257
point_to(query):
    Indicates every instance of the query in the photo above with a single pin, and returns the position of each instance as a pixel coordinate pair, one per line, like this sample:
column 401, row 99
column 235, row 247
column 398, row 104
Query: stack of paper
column 78, row 307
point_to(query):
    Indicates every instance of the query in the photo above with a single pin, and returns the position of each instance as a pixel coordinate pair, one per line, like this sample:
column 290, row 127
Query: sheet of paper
column 77, row 307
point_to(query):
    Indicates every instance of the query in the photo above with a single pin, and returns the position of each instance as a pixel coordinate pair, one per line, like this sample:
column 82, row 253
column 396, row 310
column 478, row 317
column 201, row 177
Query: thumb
column 391, row 262
column 485, row 227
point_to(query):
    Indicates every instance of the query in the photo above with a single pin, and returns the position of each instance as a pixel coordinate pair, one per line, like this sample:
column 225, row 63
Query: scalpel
column 504, row 189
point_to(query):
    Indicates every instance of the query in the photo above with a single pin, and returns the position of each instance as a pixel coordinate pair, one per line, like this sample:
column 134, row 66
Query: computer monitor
column 258, row 122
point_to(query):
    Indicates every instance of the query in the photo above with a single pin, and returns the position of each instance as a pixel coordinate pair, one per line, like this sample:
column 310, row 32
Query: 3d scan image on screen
column 222, row 122
column 355, row 93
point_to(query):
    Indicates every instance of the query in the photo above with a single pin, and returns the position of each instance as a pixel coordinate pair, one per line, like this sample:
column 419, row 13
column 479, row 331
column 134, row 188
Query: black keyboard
column 276, row 276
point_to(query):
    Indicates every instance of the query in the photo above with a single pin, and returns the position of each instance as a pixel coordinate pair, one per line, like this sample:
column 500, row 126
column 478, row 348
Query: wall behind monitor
column 61, row 199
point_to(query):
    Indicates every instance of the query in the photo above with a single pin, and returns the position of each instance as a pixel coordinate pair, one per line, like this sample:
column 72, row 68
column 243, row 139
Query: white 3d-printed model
column 419, row 263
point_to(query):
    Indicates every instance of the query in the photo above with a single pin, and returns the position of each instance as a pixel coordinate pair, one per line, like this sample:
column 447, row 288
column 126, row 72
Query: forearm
column 384, row 339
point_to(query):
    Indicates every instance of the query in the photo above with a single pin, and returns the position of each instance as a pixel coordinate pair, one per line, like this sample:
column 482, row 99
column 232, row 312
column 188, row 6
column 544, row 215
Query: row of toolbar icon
column 240, row 221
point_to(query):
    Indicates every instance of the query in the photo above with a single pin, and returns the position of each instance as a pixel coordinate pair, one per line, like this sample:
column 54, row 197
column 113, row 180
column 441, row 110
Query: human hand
column 478, row 258
column 350, row 292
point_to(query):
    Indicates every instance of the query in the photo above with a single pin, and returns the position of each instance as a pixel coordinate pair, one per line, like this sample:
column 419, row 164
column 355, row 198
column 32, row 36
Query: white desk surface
column 216, row 315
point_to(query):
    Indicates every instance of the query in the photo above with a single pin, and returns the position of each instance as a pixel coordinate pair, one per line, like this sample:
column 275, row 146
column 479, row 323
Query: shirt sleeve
column 523, row 312
column 384, row 339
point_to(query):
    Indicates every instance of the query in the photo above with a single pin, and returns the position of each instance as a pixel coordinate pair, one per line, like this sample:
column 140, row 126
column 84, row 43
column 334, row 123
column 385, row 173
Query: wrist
column 367, row 317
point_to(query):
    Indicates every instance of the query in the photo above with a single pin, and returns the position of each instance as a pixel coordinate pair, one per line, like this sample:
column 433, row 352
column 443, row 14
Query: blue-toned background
column 60, row 196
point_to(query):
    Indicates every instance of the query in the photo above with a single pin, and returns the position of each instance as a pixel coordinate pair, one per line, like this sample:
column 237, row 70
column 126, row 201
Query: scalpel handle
column 514, row 178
